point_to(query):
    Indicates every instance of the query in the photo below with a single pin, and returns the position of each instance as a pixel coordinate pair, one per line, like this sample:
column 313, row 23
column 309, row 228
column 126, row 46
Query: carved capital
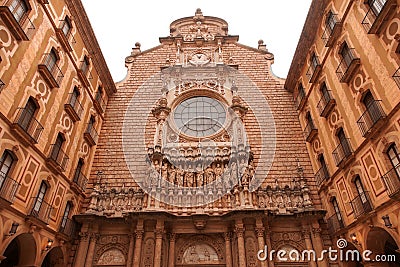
column 159, row 233
column 260, row 231
column 139, row 234
column 317, row 231
column 306, row 234
column 227, row 236
column 84, row 236
column 239, row 230
column 172, row 237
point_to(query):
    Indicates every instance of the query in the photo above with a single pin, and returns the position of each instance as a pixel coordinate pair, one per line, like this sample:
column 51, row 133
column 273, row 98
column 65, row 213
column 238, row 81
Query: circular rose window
column 200, row 116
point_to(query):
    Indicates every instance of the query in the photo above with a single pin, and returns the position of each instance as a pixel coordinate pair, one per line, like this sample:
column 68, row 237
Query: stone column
column 92, row 245
column 269, row 244
column 82, row 249
column 171, row 254
column 239, row 230
column 319, row 246
column 309, row 246
column 138, row 247
column 159, row 235
column 130, row 251
column 228, row 249
column 261, row 243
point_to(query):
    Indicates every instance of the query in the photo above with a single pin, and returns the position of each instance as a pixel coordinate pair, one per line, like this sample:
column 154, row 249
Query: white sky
column 119, row 24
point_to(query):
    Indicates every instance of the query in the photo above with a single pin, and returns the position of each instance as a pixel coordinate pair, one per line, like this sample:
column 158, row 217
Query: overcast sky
column 119, row 24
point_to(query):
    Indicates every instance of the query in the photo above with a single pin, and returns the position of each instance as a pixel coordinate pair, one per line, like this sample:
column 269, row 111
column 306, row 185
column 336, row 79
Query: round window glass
column 199, row 116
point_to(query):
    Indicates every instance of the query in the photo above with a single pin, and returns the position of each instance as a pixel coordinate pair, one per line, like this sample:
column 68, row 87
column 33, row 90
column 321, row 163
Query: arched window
column 51, row 60
column 78, row 171
column 376, row 6
column 65, row 217
column 6, row 164
column 394, row 157
column 99, row 94
column 372, row 107
column 39, row 199
column 56, row 153
column 330, row 20
column 19, row 8
column 85, row 65
column 314, row 61
column 28, row 114
column 344, row 142
column 338, row 215
column 324, row 167
column 66, row 26
column 360, row 189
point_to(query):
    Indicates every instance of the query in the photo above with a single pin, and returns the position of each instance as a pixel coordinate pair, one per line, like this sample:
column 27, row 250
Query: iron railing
column 28, row 124
column 324, row 103
column 75, row 105
column 299, row 98
column 313, row 70
column 396, row 77
column 345, row 67
column 391, row 179
column 309, row 131
column 334, row 224
column 361, row 204
column 331, row 26
column 370, row 117
column 67, row 227
column 342, row 151
column 91, row 131
column 8, row 187
column 322, row 175
column 80, row 180
column 58, row 156
column 373, row 15
column 23, row 20
column 40, row 209
column 53, row 68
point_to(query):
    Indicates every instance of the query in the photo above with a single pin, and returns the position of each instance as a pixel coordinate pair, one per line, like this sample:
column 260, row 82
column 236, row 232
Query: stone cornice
column 86, row 32
column 307, row 38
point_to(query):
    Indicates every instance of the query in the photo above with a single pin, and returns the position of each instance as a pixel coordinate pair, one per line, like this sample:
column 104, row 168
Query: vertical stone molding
column 239, row 231
column 228, row 249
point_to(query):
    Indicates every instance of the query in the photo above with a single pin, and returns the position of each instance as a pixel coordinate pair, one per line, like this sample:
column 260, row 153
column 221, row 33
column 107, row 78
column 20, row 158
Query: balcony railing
column 58, row 159
column 322, row 175
column 310, row 131
column 361, row 205
column 91, row 134
column 313, row 71
column 80, row 181
column 2, row 85
column 348, row 65
column 391, row 179
column 300, row 99
column 66, row 39
column 377, row 14
column 67, row 227
column 99, row 104
column 20, row 26
column 334, row 224
column 73, row 107
column 396, row 77
column 332, row 30
column 27, row 127
column 40, row 209
column 8, row 188
column 370, row 119
column 342, row 152
column 326, row 103
column 50, row 71
column 85, row 75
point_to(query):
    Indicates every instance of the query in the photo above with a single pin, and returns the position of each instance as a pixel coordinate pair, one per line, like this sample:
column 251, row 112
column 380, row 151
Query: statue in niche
column 171, row 174
column 164, row 171
column 218, row 171
column 234, row 173
column 179, row 175
column 209, row 175
column 200, row 178
column 189, row 178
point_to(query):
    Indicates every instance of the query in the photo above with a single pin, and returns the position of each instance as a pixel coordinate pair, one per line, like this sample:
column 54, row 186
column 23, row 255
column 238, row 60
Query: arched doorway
column 351, row 257
column 21, row 251
column 381, row 243
column 54, row 258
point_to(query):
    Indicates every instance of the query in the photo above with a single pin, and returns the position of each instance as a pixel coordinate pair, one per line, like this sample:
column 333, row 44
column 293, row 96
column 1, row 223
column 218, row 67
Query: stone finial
column 136, row 49
column 262, row 46
column 198, row 15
